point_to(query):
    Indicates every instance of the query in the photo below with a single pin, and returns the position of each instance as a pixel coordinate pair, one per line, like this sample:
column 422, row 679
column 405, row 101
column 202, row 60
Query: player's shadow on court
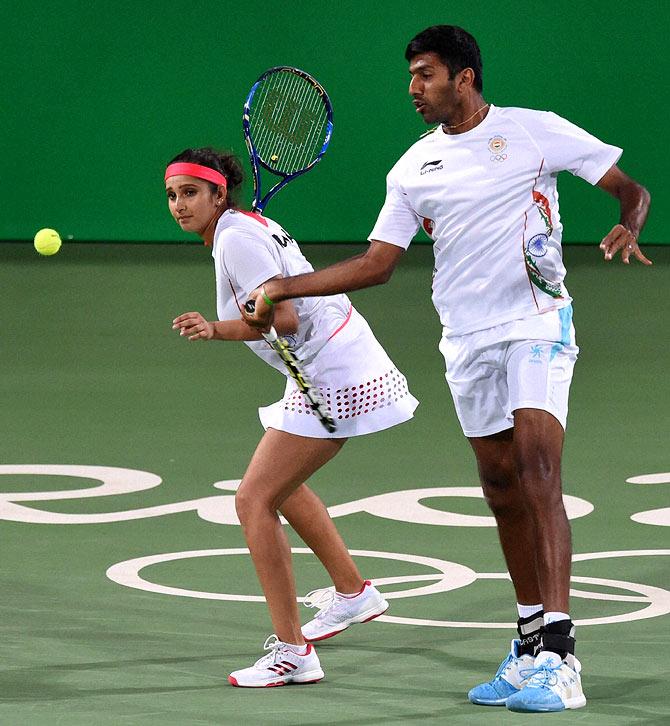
column 40, row 683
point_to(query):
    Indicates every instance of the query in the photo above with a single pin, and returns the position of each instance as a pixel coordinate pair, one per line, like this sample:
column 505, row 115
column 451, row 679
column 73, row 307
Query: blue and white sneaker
column 507, row 681
column 553, row 685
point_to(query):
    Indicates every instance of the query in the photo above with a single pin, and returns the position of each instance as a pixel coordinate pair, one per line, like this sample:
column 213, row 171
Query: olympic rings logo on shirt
column 497, row 145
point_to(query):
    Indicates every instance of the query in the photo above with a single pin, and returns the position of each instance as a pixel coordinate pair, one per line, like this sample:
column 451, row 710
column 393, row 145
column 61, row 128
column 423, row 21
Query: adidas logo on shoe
column 280, row 667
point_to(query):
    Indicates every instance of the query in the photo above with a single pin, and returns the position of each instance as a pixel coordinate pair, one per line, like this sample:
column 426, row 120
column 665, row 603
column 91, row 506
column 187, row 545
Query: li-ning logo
column 429, row 166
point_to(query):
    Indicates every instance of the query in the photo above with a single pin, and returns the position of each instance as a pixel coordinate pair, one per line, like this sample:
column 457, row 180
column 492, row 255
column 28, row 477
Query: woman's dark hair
column 223, row 162
column 456, row 47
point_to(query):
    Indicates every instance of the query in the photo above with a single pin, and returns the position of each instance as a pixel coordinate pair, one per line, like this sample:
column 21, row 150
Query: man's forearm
column 634, row 200
column 350, row 274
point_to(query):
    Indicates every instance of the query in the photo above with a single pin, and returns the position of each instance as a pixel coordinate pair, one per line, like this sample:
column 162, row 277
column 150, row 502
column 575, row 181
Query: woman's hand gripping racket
column 311, row 393
column 287, row 121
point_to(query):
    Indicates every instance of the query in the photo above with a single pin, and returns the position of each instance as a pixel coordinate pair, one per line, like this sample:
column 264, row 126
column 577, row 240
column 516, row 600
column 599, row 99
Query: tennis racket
column 288, row 122
column 311, row 393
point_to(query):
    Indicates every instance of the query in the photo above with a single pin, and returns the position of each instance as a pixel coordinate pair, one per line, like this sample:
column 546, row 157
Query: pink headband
column 198, row 171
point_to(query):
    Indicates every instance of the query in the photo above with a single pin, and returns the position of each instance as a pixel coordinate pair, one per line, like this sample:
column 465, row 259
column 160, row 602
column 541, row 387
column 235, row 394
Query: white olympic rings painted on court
column 658, row 517
column 450, row 576
column 402, row 506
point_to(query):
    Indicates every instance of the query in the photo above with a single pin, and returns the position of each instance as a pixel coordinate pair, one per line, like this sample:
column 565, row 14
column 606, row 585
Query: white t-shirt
column 248, row 250
column 488, row 200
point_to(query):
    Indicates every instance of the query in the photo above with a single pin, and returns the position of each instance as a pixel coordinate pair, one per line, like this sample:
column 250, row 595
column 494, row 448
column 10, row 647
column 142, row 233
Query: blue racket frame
column 258, row 204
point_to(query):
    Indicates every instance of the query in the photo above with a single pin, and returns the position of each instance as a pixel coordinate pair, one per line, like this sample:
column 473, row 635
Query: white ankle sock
column 297, row 649
column 352, row 594
column 553, row 616
column 525, row 611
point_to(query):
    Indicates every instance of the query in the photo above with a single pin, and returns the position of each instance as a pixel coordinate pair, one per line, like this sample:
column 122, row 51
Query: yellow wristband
column 265, row 297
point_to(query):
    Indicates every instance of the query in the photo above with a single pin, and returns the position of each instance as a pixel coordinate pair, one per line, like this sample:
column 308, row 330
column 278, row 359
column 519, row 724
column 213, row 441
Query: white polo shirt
column 488, row 200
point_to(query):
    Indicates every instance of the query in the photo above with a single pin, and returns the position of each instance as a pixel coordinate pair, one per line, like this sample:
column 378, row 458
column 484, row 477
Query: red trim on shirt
column 346, row 320
column 254, row 215
column 543, row 202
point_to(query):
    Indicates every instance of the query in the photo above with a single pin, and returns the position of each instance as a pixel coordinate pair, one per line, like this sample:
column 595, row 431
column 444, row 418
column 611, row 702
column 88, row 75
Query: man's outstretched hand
column 621, row 240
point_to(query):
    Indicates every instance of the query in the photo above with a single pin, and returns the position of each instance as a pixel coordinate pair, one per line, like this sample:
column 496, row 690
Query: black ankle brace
column 529, row 630
column 559, row 637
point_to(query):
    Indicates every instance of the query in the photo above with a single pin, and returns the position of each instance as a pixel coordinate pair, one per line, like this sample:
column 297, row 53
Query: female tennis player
column 362, row 386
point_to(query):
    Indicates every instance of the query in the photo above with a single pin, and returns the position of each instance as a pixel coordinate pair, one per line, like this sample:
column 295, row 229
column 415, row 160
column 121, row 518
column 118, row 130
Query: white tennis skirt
column 360, row 383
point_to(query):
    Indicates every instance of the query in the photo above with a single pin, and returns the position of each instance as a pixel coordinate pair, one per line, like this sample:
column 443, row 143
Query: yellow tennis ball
column 47, row 242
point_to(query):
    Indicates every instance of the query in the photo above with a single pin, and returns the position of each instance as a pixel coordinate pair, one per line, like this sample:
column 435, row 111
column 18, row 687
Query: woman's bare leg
column 308, row 516
column 280, row 464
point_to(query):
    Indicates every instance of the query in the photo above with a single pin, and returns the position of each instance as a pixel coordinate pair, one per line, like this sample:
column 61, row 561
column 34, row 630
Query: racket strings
column 273, row 117
column 288, row 120
column 287, row 113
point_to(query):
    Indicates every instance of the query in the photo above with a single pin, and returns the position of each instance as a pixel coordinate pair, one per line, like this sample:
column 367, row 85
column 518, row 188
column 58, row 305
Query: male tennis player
column 483, row 186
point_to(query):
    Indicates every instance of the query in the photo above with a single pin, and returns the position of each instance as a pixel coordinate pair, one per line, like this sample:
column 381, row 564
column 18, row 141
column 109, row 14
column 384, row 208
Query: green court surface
column 93, row 376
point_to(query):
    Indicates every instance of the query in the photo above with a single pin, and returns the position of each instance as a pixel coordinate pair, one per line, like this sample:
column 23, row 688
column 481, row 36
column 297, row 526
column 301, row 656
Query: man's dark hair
column 456, row 48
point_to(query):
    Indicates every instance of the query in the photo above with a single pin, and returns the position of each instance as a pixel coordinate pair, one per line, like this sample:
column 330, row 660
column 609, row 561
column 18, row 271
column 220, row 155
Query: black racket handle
column 250, row 306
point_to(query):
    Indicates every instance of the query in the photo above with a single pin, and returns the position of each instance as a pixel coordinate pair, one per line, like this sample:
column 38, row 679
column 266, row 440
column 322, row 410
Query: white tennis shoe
column 280, row 667
column 337, row 612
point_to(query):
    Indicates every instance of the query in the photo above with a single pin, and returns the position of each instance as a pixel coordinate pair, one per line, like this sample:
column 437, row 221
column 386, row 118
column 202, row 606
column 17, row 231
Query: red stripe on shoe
column 372, row 617
column 326, row 636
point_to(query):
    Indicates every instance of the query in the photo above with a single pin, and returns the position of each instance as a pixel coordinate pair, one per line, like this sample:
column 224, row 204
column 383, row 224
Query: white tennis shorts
column 525, row 363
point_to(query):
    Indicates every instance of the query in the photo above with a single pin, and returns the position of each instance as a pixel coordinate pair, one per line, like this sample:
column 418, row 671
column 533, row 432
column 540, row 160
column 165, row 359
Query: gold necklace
column 455, row 126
